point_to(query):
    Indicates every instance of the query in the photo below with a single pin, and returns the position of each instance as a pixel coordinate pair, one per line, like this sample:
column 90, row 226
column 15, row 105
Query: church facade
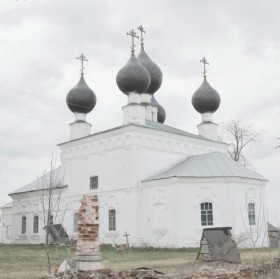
column 156, row 183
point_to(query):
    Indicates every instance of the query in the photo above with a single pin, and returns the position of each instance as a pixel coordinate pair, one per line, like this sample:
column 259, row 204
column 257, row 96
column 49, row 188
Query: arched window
column 36, row 224
column 206, row 210
column 23, row 225
column 112, row 220
column 251, row 214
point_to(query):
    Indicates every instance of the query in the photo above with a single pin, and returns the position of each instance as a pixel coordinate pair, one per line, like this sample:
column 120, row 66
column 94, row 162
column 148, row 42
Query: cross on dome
column 206, row 99
column 83, row 59
column 132, row 33
column 204, row 61
column 141, row 29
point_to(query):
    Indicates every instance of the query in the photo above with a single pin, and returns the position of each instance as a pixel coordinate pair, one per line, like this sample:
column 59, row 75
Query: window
column 23, row 225
column 206, row 214
column 251, row 214
column 112, row 220
column 94, row 182
column 75, row 222
column 36, row 224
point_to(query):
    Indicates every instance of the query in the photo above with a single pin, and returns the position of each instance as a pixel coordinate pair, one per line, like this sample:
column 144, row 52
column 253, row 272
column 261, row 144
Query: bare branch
column 49, row 191
column 242, row 136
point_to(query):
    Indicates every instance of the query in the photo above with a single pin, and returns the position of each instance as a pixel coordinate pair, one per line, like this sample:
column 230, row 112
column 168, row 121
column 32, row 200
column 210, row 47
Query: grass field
column 29, row 261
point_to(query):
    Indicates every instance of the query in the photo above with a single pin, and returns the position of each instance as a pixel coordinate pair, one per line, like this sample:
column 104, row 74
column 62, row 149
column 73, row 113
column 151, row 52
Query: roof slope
column 7, row 205
column 214, row 164
column 154, row 126
column 170, row 129
column 43, row 182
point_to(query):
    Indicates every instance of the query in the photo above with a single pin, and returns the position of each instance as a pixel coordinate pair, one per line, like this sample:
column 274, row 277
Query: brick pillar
column 88, row 256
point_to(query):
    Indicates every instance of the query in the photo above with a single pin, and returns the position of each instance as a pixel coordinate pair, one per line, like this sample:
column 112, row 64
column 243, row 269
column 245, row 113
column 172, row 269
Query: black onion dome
column 206, row 98
column 154, row 71
column 161, row 115
column 133, row 77
column 81, row 98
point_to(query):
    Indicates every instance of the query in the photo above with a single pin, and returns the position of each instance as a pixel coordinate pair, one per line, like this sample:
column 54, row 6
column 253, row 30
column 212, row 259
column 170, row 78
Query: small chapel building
column 160, row 184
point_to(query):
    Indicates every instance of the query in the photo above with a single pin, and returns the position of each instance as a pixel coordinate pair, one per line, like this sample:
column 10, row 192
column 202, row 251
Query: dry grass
column 29, row 261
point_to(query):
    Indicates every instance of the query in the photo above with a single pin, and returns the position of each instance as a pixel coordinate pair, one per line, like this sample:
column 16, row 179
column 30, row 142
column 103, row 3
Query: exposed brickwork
column 88, row 226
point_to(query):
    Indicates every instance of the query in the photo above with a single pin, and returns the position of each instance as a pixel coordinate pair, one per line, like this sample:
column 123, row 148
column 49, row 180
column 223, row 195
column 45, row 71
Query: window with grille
column 23, row 225
column 112, row 220
column 206, row 210
column 251, row 214
column 94, row 182
column 75, row 222
column 36, row 224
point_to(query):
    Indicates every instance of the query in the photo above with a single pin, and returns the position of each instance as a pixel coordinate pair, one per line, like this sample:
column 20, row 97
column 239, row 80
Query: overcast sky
column 40, row 40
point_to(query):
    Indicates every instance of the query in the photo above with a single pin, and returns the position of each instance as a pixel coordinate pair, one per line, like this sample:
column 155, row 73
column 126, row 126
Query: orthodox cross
column 133, row 35
column 142, row 31
column 83, row 59
column 204, row 61
column 126, row 235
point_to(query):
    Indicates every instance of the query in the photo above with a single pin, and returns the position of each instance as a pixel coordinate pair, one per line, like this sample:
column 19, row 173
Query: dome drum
column 207, row 117
column 80, row 117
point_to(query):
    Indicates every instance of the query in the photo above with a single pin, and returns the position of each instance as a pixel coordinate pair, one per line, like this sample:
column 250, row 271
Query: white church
column 159, row 184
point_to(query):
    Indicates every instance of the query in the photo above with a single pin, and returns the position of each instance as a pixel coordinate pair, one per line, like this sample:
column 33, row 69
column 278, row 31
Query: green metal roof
column 7, row 205
column 170, row 129
column 214, row 164
column 43, row 182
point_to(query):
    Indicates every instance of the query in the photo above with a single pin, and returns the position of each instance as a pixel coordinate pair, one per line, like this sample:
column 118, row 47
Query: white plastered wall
column 179, row 199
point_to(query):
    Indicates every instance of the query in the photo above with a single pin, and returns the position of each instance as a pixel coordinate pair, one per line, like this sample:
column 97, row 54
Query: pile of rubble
column 107, row 273
column 265, row 270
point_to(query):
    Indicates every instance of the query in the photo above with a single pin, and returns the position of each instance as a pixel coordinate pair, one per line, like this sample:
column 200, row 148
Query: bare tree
column 49, row 187
column 255, row 230
column 242, row 136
